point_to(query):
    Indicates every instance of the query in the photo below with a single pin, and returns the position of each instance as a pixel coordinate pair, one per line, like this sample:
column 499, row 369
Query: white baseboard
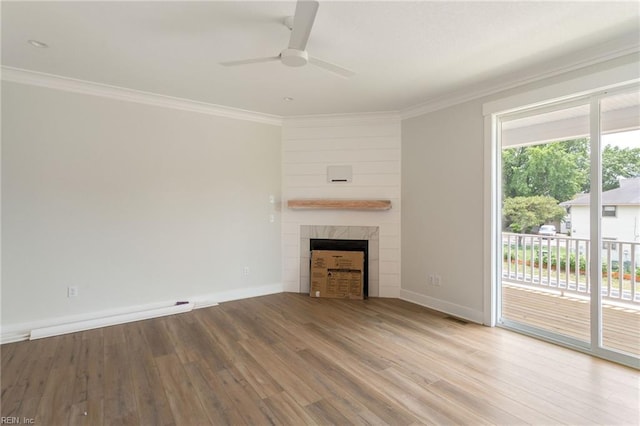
column 81, row 322
column 57, row 330
column 442, row 306
column 236, row 294
column 22, row 331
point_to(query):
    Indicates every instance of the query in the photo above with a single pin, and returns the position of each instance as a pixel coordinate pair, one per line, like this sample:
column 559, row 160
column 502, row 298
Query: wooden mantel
column 326, row 204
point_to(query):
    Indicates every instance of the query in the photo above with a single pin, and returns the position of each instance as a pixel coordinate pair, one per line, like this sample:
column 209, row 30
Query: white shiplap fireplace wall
column 371, row 145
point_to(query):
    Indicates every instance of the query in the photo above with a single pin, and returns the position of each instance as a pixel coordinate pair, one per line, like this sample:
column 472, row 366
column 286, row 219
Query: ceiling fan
column 295, row 55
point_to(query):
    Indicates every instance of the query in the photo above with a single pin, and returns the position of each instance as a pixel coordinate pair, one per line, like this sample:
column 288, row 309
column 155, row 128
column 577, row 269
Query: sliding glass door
column 569, row 240
column 545, row 157
column 619, row 217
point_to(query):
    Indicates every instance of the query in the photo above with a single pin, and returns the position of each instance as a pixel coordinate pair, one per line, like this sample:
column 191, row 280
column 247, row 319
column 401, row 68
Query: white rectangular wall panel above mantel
column 370, row 145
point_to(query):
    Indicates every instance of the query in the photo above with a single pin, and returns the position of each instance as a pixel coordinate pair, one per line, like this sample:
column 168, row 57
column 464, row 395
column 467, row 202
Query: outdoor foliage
column 523, row 213
column 582, row 262
column 514, row 255
column 561, row 169
column 617, row 162
column 556, row 171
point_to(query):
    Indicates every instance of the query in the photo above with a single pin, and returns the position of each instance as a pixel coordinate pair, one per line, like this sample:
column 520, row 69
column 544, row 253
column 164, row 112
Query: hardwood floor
column 291, row 359
column 570, row 316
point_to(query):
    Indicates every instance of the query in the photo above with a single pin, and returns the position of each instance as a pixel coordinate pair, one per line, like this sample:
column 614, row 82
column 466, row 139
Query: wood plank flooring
column 569, row 315
column 293, row 360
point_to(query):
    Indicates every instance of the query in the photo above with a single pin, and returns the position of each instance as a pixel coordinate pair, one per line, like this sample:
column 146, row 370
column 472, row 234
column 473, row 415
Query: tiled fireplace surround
column 369, row 233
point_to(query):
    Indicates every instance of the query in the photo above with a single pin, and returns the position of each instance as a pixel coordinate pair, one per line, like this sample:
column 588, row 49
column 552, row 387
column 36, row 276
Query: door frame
column 594, row 87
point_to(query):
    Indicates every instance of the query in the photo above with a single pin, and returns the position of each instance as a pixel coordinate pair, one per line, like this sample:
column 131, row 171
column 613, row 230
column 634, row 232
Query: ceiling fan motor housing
column 294, row 57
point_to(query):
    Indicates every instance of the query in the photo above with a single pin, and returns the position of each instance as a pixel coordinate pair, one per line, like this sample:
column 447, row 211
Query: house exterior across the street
column 620, row 213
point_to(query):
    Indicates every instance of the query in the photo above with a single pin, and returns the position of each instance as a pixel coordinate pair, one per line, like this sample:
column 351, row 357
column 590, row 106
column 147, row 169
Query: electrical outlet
column 431, row 279
column 438, row 280
column 72, row 291
column 246, row 271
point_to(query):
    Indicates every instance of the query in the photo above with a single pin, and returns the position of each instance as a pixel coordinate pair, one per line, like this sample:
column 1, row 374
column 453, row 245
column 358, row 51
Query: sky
column 623, row 140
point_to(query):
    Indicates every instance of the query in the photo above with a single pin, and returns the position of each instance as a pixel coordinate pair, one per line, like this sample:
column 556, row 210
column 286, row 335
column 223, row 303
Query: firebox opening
column 346, row 245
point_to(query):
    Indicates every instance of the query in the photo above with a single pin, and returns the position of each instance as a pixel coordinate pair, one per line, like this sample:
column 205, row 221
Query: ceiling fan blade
column 302, row 23
column 338, row 70
column 250, row 61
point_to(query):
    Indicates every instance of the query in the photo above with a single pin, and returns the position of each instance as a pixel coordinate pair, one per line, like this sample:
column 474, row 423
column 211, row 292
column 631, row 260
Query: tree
column 523, row 213
column 561, row 169
column 537, row 177
column 514, row 161
column 619, row 163
column 558, row 169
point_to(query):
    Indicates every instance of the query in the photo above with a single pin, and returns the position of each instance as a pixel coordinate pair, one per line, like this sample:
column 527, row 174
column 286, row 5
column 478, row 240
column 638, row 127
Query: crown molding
column 477, row 91
column 33, row 78
column 515, row 80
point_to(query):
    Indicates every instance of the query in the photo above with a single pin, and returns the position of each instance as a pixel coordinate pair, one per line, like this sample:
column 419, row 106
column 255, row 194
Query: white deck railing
column 561, row 263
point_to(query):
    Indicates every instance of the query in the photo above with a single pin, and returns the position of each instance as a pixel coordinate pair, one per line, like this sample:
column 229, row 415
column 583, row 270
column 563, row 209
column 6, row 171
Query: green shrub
column 548, row 259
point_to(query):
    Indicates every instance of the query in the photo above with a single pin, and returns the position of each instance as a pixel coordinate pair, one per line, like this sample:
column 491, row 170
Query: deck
column 569, row 315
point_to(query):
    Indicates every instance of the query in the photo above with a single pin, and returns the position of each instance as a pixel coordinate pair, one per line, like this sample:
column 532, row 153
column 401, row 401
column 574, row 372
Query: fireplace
column 368, row 234
column 345, row 245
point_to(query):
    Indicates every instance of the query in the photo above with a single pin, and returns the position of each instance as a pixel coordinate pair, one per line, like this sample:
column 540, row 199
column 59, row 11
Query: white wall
column 580, row 222
column 622, row 227
column 444, row 193
column 442, row 215
column 134, row 204
column 371, row 145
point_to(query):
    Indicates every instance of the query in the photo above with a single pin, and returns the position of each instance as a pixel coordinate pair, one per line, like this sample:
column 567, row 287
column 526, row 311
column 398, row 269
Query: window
column 608, row 211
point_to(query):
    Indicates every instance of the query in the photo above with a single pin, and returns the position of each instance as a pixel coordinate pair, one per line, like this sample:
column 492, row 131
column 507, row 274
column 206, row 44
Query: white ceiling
column 405, row 54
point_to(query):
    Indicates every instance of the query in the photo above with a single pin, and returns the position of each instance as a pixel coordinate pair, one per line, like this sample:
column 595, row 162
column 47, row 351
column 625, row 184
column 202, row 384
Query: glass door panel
column 620, row 222
column 545, row 165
